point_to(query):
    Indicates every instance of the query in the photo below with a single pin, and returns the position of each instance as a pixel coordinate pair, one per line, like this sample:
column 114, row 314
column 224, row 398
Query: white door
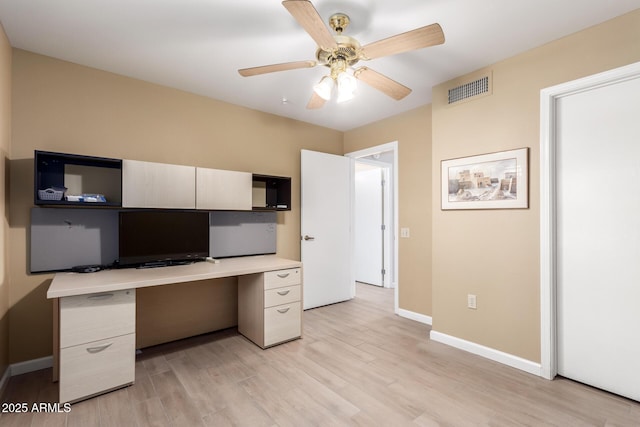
column 598, row 237
column 369, row 224
column 326, row 244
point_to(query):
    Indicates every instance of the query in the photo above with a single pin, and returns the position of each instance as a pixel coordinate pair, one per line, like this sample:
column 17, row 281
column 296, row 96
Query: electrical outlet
column 404, row 232
column 472, row 302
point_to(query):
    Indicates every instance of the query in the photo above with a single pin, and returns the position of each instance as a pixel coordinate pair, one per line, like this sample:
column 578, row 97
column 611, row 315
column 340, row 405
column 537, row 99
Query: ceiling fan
column 340, row 52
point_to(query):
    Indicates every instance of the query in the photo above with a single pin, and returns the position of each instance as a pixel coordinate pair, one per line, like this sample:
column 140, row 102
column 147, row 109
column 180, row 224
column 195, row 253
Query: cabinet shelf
column 271, row 193
column 80, row 175
column 66, row 203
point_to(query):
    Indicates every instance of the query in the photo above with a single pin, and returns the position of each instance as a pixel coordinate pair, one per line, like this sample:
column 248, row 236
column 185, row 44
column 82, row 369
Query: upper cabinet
column 70, row 179
column 271, row 192
column 223, row 190
column 158, row 185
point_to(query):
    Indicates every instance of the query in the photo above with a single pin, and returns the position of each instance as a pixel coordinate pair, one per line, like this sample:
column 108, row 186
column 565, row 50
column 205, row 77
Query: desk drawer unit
column 270, row 306
column 97, row 343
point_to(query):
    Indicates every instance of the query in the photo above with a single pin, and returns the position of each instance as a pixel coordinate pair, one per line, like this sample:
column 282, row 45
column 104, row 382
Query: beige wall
column 5, row 145
column 495, row 253
column 412, row 130
column 59, row 106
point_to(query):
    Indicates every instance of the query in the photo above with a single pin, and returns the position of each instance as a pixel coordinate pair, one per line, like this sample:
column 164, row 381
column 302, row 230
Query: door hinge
column 383, row 227
column 384, row 271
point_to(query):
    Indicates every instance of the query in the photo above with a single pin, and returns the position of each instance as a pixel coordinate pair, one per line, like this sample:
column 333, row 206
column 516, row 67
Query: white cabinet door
column 158, row 185
column 223, row 190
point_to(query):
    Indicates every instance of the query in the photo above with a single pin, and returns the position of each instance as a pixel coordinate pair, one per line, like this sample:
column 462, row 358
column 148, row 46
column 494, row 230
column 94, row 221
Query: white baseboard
column 489, row 353
column 31, row 365
column 422, row 318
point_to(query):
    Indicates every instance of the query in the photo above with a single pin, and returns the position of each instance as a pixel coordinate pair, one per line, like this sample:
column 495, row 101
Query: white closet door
column 598, row 245
column 369, row 254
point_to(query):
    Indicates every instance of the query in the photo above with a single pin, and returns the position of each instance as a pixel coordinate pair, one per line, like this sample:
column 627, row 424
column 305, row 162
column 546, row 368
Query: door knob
column 306, row 237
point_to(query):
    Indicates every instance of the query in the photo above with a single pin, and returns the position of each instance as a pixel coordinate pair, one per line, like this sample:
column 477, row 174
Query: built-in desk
column 95, row 315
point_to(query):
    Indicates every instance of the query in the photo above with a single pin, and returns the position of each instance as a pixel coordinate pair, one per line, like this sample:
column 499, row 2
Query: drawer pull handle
column 283, row 275
column 99, row 348
column 100, row 296
column 283, row 293
column 283, row 310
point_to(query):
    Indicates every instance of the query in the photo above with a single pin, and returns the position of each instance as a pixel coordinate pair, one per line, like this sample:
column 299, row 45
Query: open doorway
column 375, row 216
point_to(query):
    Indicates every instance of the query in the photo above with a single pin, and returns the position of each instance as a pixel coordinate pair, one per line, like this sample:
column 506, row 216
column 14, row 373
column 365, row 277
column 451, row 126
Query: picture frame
column 487, row 181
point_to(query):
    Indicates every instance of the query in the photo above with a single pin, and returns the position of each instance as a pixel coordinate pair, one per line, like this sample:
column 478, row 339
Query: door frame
column 390, row 146
column 548, row 182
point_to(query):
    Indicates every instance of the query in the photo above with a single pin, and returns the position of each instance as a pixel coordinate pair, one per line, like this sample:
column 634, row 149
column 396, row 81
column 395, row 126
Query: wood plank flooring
column 358, row 364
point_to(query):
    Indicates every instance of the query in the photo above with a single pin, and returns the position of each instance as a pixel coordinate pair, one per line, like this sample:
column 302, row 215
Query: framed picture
column 488, row 181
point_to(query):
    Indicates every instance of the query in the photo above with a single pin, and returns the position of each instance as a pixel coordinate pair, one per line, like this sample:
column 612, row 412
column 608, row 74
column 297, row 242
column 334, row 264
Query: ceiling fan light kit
column 344, row 96
column 339, row 77
column 340, row 52
column 324, row 88
column 346, row 87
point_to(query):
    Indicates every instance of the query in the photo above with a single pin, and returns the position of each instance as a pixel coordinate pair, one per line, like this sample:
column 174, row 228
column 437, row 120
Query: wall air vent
column 469, row 90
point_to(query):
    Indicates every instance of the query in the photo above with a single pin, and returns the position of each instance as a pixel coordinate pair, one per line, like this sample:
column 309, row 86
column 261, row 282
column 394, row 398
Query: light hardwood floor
column 358, row 364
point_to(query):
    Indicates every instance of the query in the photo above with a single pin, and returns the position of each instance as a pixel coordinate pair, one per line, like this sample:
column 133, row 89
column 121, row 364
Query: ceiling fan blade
column 315, row 102
column 309, row 19
column 381, row 82
column 419, row 38
column 254, row 71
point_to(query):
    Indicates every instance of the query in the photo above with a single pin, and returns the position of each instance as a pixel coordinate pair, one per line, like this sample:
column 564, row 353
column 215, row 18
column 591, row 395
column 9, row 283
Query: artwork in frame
column 487, row 181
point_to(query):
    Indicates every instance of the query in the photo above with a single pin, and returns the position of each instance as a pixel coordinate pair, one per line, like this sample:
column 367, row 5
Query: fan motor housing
column 348, row 49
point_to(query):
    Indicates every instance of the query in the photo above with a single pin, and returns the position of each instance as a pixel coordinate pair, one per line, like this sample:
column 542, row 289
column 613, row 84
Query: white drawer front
column 279, row 278
column 95, row 367
column 282, row 323
column 280, row 296
column 86, row 318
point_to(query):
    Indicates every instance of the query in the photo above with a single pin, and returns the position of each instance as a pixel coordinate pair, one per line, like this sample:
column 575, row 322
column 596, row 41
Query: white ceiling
column 198, row 45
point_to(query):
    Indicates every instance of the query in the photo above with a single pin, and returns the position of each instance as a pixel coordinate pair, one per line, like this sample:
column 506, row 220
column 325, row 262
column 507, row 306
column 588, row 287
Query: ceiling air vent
column 469, row 90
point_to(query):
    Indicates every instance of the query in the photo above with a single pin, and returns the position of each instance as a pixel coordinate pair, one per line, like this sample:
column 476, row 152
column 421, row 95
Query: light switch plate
column 472, row 301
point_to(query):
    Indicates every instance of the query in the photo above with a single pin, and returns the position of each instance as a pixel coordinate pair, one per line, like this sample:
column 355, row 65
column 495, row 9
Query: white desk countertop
column 70, row 284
